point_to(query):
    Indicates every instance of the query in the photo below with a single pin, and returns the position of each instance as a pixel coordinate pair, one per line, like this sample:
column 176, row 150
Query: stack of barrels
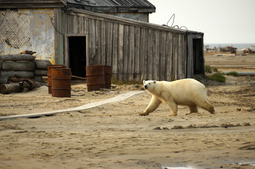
column 59, row 81
column 98, row 77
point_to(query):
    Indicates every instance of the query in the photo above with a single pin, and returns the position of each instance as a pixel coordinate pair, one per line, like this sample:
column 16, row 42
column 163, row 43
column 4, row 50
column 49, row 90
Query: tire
column 4, row 79
column 42, row 64
column 25, row 74
column 24, row 57
column 39, row 79
column 41, row 72
column 18, row 66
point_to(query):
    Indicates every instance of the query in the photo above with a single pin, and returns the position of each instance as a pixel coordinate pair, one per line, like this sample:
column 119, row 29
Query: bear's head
column 149, row 84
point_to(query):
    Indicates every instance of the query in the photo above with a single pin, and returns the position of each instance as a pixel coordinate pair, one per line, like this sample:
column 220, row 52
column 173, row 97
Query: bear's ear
column 154, row 82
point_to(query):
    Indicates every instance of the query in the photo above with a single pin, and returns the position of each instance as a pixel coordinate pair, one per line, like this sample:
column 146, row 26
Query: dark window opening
column 77, row 55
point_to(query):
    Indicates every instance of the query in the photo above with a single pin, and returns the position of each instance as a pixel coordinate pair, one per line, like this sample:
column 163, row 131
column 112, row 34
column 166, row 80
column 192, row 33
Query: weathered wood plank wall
column 135, row 50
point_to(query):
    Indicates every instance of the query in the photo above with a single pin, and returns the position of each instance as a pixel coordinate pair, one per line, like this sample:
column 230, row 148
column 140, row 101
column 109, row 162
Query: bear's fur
column 187, row 92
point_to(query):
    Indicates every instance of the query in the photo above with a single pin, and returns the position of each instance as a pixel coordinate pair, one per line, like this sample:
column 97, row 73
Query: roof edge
column 112, row 6
column 131, row 21
column 21, row 4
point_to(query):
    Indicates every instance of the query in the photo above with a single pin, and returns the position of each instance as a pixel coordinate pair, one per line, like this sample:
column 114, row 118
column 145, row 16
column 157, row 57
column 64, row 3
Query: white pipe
column 83, row 107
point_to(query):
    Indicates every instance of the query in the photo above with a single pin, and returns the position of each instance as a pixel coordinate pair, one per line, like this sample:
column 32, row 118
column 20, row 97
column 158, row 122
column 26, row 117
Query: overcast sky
column 221, row 21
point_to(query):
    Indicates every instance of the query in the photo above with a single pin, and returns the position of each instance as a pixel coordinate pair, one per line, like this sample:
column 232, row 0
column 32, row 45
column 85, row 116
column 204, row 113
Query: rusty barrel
column 95, row 78
column 61, row 82
column 49, row 74
column 108, row 76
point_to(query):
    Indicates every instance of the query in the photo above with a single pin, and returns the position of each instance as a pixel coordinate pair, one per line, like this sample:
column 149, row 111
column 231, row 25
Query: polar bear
column 188, row 92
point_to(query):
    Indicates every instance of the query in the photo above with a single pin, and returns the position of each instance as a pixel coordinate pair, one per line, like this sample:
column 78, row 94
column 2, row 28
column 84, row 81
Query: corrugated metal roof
column 113, row 5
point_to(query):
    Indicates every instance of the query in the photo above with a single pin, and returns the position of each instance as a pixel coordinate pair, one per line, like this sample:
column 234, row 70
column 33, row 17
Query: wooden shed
column 135, row 50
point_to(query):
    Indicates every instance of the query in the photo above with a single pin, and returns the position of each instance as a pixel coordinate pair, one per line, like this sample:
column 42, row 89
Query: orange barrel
column 61, row 82
column 50, row 75
column 95, row 77
column 108, row 76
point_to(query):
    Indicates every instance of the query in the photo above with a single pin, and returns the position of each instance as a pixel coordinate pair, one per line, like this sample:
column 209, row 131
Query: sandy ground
column 230, row 62
column 114, row 136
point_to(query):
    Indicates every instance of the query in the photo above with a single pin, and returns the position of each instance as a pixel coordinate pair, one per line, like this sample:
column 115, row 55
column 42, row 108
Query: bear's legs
column 193, row 109
column 173, row 107
column 153, row 105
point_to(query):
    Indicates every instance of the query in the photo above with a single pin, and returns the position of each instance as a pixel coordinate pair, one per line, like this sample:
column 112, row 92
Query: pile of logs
column 22, row 66
column 21, row 69
column 21, row 86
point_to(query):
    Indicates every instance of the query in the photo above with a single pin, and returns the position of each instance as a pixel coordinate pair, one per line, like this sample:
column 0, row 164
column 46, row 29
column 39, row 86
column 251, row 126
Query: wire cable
column 175, row 26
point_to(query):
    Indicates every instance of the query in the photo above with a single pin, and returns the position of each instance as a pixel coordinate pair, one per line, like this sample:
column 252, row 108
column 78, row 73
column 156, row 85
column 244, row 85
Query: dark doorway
column 77, row 55
column 198, row 58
